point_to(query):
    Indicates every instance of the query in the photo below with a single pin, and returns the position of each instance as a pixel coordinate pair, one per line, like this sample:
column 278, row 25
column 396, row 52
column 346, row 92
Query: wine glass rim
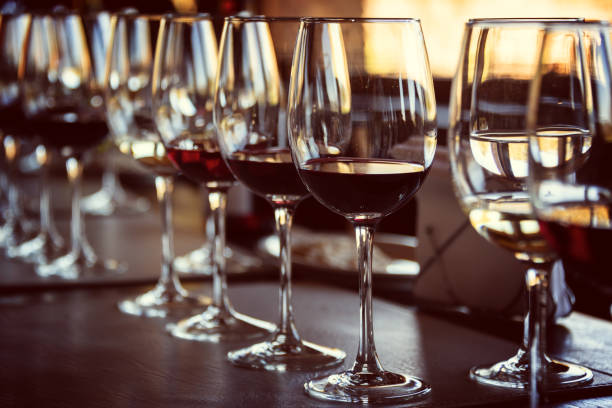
column 186, row 17
column 535, row 21
column 262, row 18
column 360, row 20
column 133, row 16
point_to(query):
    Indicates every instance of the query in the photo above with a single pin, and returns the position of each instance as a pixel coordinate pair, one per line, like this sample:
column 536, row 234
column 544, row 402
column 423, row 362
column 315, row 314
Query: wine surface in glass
column 507, row 220
column 201, row 163
column 581, row 235
column 12, row 120
column 69, row 129
column 268, row 172
column 358, row 186
column 149, row 153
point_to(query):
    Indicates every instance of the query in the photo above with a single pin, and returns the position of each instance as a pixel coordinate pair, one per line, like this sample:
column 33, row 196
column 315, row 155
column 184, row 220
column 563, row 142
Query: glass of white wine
column 130, row 115
column 489, row 160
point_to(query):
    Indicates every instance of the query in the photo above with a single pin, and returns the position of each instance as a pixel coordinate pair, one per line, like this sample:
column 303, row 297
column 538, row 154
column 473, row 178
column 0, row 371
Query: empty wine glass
column 569, row 122
column 250, row 113
column 362, row 129
column 183, row 92
column 488, row 152
column 13, row 128
column 64, row 106
column 130, row 115
column 112, row 198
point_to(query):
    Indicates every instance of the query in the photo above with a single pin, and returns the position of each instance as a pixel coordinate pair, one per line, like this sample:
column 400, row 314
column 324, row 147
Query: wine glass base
column 104, row 203
column 215, row 325
column 279, row 356
column 197, row 262
column 73, row 267
column 509, row 374
column 368, row 388
column 40, row 249
column 159, row 302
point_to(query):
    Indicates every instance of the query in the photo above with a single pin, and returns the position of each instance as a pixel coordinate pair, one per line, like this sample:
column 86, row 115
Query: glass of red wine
column 250, row 113
column 16, row 228
column 362, row 130
column 64, row 106
column 48, row 244
column 488, row 155
column 129, row 108
column 183, row 93
column 569, row 124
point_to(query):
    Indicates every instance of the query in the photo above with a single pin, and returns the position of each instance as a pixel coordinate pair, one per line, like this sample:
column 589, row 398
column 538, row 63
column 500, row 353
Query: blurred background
column 442, row 20
column 446, row 242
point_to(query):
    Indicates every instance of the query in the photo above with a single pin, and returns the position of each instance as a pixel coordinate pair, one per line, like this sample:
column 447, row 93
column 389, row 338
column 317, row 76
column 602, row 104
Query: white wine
column 505, row 154
column 507, row 220
column 149, row 153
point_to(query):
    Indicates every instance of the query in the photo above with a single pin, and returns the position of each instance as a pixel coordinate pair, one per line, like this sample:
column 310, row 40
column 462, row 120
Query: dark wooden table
column 65, row 344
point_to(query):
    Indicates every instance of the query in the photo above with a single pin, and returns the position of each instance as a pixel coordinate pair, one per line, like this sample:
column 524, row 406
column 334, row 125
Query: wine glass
column 569, row 120
column 112, row 198
column 250, row 113
column 130, row 115
column 183, row 92
column 13, row 129
column 362, row 130
column 488, row 152
column 64, row 106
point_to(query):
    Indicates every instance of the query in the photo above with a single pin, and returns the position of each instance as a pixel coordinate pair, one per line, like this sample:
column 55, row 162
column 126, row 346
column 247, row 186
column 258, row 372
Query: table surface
column 66, row 344
column 73, row 348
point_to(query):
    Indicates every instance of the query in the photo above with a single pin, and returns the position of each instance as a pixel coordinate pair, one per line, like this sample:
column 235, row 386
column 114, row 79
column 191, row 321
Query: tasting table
column 65, row 344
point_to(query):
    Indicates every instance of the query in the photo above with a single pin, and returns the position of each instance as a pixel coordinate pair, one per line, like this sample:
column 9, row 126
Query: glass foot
column 198, row 262
column 278, row 355
column 194, row 262
column 163, row 303
column 215, row 325
column 514, row 373
column 367, row 388
column 40, row 249
column 73, row 267
column 105, row 202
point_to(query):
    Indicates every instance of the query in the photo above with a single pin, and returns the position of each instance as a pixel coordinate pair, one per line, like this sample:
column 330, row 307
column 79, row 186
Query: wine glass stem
column 74, row 168
column 164, row 186
column 217, row 201
column 45, row 204
column 537, row 285
column 287, row 333
column 367, row 359
column 10, row 152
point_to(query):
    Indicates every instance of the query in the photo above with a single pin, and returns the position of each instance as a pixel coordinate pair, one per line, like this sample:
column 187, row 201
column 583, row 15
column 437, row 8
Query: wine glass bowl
column 488, row 144
column 362, row 129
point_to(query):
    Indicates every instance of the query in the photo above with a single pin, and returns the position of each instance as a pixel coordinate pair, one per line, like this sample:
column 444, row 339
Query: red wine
column 586, row 248
column 362, row 187
column 200, row 162
column 12, row 121
column 269, row 173
column 69, row 130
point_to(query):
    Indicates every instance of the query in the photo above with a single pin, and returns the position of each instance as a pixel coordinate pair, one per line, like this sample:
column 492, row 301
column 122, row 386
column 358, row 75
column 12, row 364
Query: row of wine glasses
column 291, row 107
column 355, row 129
